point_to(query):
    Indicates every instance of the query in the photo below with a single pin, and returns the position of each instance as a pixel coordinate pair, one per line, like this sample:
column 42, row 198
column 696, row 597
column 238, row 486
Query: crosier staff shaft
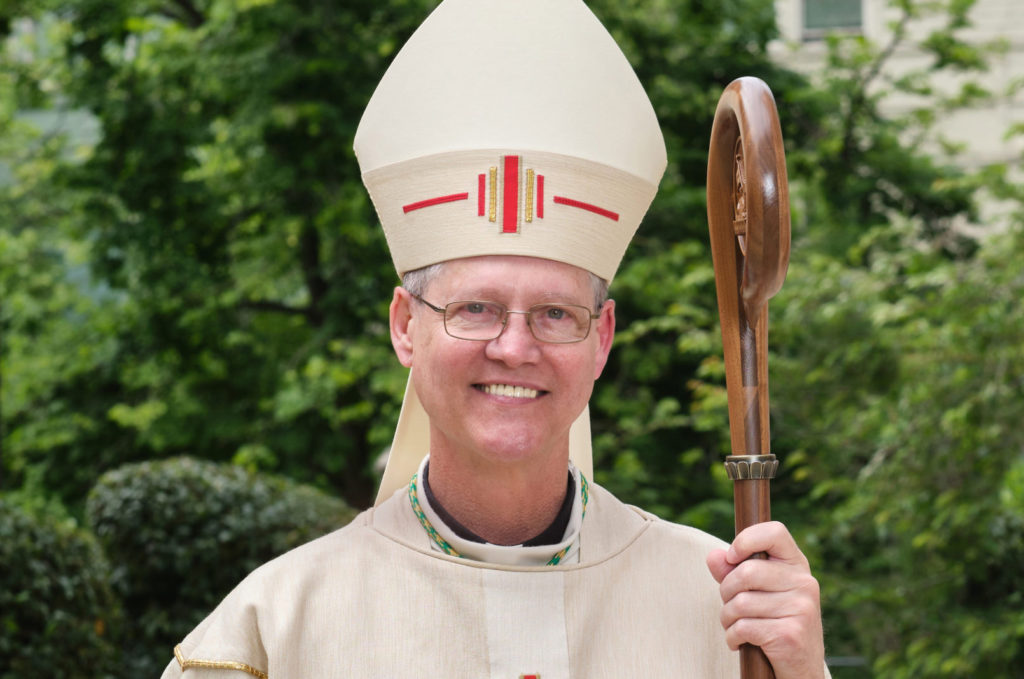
column 748, row 219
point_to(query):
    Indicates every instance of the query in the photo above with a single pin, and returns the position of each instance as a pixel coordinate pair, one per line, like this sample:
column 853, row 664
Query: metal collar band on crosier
column 507, row 127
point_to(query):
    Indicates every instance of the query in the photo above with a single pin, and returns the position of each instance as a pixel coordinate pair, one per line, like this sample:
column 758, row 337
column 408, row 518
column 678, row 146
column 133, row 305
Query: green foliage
column 864, row 166
column 659, row 409
column 916, row 427
column 182, row 533
column 59, row 325
column 56, row 608
column 221, row 207
column 896, row 350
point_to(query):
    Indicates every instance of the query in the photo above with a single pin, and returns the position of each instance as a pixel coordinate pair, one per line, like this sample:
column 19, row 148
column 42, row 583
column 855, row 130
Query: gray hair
column 417, row 281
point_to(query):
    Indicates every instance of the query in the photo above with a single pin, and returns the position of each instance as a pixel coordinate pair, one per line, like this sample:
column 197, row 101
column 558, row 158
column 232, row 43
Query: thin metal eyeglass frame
column 504, row 321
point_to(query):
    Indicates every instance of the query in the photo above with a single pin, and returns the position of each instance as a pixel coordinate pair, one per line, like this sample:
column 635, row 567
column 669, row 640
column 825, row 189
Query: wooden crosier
column 748, row 216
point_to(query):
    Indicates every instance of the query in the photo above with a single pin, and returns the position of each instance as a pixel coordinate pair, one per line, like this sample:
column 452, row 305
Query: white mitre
column 507, row 127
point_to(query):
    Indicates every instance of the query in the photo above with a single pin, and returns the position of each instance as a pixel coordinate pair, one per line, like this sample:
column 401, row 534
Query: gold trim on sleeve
column 215, row 664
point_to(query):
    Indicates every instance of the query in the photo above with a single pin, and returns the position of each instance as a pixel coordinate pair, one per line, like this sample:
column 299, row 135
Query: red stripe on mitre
column 510, row 197
column 540, row 196
column 561, row 200
column 435, row 201
column 481, row 194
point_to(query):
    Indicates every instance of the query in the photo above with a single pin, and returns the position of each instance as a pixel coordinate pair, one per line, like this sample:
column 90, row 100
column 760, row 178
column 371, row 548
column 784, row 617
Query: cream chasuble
column 378, row 599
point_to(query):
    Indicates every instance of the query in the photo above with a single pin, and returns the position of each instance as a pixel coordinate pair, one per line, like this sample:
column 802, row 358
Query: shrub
column 181, row 533
column 56, row 606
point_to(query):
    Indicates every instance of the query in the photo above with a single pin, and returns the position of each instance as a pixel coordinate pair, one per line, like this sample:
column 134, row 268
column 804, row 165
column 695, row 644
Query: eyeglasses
column 482, row 321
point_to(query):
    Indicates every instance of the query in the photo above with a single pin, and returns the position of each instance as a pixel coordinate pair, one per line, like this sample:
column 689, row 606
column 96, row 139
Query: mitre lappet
column 507, row 127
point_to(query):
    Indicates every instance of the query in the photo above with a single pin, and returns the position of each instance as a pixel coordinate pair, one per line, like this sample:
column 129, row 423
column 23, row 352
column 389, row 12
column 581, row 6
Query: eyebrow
column 491, row 295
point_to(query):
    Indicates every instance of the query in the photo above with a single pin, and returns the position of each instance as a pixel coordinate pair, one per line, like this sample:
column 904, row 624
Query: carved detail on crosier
column 739, row 196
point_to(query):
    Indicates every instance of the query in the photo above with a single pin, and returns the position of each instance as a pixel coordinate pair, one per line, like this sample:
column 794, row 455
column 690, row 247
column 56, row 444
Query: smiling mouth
column 508, row 390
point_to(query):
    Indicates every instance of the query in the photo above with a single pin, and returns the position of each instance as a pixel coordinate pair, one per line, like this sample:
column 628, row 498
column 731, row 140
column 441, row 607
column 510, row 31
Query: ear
column 400, row 318
column 605, row 335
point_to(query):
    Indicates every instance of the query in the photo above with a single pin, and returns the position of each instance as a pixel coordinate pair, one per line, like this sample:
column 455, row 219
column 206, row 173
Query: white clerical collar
column 444, row 539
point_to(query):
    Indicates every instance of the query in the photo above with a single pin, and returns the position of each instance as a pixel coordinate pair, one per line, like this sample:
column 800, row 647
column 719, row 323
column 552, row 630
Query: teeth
column 509, row 390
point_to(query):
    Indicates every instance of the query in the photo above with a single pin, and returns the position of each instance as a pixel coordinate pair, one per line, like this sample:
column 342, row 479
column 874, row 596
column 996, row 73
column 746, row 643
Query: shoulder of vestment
column 232, row 636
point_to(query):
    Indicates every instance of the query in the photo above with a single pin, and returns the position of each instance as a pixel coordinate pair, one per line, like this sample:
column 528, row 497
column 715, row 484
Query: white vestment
column 375, row 599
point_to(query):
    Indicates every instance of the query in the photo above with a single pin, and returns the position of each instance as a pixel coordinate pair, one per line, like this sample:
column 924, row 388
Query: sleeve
column 198, row 667
column 228, row 639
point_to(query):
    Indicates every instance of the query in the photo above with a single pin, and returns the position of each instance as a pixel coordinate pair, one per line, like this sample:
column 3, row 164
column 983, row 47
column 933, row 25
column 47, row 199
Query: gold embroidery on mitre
column 192, row 663
column 529, row 196
column 493, row 214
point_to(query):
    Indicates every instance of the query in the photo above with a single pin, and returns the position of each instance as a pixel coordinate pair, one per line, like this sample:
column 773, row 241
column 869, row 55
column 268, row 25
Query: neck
column 507, row 505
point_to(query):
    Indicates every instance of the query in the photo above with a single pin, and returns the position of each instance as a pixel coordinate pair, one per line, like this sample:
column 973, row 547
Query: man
column 511, row 153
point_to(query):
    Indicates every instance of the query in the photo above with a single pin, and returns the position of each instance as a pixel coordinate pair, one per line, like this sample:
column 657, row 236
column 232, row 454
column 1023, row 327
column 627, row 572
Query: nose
column 516, row 345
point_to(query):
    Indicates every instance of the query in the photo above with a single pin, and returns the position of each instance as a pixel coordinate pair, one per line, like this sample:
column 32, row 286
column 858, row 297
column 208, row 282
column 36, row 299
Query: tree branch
column 860, row 92
column 277, row 307
column 316, row 284
column 187, row 12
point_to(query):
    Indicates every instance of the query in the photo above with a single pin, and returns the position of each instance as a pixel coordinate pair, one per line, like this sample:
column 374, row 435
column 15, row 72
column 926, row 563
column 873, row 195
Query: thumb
column 719, row 565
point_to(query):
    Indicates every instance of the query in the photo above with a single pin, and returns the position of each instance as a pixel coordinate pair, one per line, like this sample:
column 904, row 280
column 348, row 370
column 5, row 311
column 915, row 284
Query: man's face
column 463, row 384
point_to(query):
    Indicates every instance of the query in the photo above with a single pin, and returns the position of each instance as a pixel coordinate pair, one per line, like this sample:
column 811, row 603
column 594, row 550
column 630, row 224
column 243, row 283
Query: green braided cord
column 448, row 549
column 431, row 531
column 584, row 495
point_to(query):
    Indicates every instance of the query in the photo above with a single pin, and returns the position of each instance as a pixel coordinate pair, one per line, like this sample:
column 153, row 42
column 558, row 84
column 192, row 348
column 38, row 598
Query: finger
column 801, row 603
column 780, row 638
column 793, row 644
column 770, row 537
column 766, row 575
column 719, row 565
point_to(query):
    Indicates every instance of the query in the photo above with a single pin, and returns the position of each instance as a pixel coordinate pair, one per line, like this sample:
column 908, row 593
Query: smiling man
column 511, row 154
column 502, row 387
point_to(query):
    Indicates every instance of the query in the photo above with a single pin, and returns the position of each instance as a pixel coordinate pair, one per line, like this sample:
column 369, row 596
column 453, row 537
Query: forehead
column 508, row 275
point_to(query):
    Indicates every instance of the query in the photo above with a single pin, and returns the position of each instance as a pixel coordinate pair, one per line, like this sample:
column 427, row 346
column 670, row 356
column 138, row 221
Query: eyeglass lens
column 557, row 323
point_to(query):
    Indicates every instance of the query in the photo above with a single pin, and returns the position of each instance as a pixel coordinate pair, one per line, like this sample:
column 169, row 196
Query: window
column 822, row 16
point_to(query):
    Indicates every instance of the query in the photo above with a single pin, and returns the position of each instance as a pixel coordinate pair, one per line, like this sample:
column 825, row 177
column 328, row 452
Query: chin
column 516, row 446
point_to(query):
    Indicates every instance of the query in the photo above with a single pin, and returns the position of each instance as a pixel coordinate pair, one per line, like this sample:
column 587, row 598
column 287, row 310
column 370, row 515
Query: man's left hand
column 773, row 603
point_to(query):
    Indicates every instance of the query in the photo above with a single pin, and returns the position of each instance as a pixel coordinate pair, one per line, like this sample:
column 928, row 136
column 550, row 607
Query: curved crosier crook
column 748, row 160
column 748, row 217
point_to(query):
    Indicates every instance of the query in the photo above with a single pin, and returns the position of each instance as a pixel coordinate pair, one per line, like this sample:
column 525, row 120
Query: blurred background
column 196, row 372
